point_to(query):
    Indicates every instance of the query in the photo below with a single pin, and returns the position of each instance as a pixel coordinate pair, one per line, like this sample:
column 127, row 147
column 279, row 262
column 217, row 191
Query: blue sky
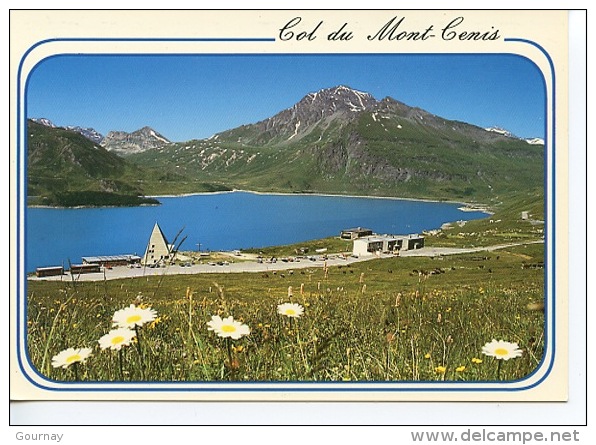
column 186, row 97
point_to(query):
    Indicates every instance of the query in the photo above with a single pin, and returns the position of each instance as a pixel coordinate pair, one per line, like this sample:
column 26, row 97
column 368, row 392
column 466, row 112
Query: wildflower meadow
column 452, row 318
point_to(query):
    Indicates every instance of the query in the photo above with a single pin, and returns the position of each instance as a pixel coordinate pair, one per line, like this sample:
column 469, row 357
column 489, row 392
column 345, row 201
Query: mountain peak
column 338, row 98
column 89, row 133
column 344, row 89
column 317, row 111
column 43, row 121
column 138, row 141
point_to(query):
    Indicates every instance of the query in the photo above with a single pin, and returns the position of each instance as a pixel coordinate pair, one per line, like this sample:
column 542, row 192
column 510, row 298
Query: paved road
column 246, row 263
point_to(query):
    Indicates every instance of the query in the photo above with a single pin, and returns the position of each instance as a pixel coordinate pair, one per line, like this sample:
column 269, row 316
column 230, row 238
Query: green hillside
column 66, row 169
column 393, row 157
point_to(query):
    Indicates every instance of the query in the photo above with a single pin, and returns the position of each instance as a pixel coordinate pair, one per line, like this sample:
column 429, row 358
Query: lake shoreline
column 464, row 205
column 468, row 205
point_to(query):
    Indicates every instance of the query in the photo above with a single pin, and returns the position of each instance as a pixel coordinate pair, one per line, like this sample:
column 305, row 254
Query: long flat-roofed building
column 112, row 260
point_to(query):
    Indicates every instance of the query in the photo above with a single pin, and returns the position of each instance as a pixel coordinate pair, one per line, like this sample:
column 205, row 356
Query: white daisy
column 228, row 327
column 133, row 316
column 502, row 350
column 117, row 338
column 293, row 310
column 69, row 356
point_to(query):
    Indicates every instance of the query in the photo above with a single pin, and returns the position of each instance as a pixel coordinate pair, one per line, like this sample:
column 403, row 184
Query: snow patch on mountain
column 507, row 133
column 500, row 130
column 535, row 141
column 43, row 121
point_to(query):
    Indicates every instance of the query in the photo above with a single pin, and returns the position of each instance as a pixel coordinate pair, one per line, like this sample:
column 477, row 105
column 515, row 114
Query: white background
column 571, row 414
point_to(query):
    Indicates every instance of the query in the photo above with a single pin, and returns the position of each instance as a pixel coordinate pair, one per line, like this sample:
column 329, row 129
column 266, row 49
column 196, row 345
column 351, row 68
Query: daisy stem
column 388, row 364
column 229, row 349
column 499, row 369
column 137, row 331
column 51, row 334
column 120, row 363
column 75, row 368
column 231, row 364
column 304, row 360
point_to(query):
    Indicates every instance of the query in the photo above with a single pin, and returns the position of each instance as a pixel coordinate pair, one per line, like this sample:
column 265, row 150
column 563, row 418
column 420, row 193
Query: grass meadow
column 400, row 319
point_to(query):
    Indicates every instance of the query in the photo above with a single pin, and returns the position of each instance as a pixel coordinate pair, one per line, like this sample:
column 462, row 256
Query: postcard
column 289, row 205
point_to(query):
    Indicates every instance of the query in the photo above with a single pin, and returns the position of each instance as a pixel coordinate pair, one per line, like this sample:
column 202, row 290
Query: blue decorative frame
column 267, row 387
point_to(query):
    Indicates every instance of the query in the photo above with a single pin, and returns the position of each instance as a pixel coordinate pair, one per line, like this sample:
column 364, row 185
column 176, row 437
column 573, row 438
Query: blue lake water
column 222, row 221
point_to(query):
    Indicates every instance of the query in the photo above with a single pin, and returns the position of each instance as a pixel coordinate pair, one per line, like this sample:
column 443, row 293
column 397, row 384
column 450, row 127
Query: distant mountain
column 89, row 133
column 336, row 140
column 120, row 142
column 44, row 121
column 341, row 140
column 319, row 109
column 124, row 143
column 65, row 168
column 338, row 107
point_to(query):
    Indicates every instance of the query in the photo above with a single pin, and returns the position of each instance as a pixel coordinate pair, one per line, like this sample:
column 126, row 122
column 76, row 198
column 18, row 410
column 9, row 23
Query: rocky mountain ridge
column 343, row 140
column 337, row 140
column 124, row 143
column 120, row 142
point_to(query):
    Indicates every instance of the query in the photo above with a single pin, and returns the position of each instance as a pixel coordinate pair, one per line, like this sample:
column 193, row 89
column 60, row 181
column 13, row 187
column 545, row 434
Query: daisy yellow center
column 133, row 319
column 290, row 312
column 117, row 340
column 228, row 328
column 73, row 358
column 501, row 351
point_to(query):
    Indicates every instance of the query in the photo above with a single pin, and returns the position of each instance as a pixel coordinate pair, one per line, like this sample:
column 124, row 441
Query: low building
column 374, row 245
column 368, row 245
column 50, row 271
column 413, row 241
column 112, row 260
column 77, row 269
column 355, row 233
